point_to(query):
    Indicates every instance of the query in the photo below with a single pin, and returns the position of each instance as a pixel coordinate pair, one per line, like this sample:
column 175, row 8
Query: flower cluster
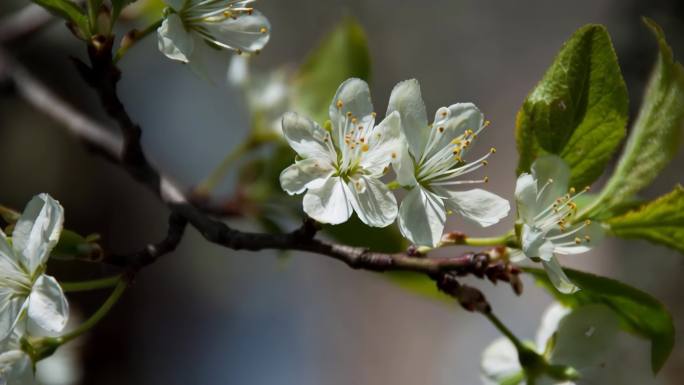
column 341, row 166
column 32, row 303
column 194, row 30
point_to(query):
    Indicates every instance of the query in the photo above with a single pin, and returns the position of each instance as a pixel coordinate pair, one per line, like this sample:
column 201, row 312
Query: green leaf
column 660, row 221
column 655, row 137
column 341, row 55
column 67, row 10
column 578, row 110
column 639, row 312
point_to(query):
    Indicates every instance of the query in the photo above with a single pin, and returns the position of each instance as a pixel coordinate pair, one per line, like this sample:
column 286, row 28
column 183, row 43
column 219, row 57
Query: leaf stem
column 134, row 36
column 96, row 284
column 505, row 330
column 98, row 315
column 459, row 239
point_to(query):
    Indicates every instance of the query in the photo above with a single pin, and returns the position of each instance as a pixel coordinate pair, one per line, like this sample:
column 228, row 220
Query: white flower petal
column 478, row 205
column 374, row 203
column 384, row 145
column 247, row 32
column 526, row 198
column 11, row 307
column 534, row 243
column 452, row 122
column 585, row 336
column 307, row 173
column 173, row 40
column 404, row 167
column 500, row 362
column 422, row 217
column 558, row 278
column 551, row 168
column 307, row 138
column 16, row 368
column 238, row 70
column 38, row 230
column 549, row 324
column 407, row 100
column 352, row 96
column 331, row 203
column 48, row 310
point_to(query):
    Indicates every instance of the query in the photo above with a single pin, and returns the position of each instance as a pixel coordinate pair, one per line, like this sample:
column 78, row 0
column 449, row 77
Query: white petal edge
column 247, row 32
column 373, row 202
column 307, row 138
column 48, row 310
column 422, row 217
column 352, row 96
column 479, row 206
column 526, row 198
column 549, row 324
column 558, row 278
column 331, row 203
column 384, row 145
column 37, row 230
column 173, row 40
column 306, row 173
column 406, row 98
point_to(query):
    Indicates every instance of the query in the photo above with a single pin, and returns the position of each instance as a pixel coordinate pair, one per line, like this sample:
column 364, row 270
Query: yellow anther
column 339, row 104
column 353, row 120
column 486, row 179
column 373, row 114
column 364, row 148
column 349, row 114
column 587, row 222
column 587, row 238
column 263, row 30
column 360, row 128
column 362, row 139
column 441, row 129
column 444, row 114
column 572, row 190
column 485, row 162
column 578, row 240
column 587, row 188
column 449, row 212
column 394, row 155
column 492, row 150
column 487, row 123
column 238, row 51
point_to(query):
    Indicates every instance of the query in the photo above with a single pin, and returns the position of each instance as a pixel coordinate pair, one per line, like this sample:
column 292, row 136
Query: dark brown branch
column 136, row 261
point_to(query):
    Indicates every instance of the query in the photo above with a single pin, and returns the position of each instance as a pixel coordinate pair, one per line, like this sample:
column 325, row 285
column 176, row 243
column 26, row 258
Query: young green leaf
column 639, row 312
column 341, row 55
column 656, row 134
column 68, row 11
column 660, row 221
column 579, row 108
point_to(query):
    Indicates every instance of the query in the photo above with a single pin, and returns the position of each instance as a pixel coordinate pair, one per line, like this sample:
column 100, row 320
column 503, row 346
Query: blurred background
column 207, row 315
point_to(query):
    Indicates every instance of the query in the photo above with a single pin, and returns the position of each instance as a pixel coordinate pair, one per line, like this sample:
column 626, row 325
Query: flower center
column 443, row 167
column 559, row 216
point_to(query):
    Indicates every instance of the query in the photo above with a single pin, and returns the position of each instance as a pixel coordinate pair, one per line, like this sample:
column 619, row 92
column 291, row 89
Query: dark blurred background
column 207, row 315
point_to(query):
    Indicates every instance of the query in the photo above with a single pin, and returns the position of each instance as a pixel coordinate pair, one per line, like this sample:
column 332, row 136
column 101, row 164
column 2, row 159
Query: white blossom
column 25, row 291
column 588, row 339
column 195, row 30
column 433, row 163
column 341, row 168
column 546, row 209
column 16, row 367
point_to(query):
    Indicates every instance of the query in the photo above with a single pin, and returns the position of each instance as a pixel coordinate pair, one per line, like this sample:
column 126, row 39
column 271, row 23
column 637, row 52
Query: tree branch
column 103, row 76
